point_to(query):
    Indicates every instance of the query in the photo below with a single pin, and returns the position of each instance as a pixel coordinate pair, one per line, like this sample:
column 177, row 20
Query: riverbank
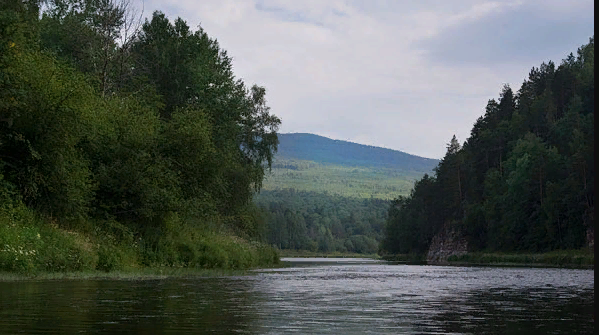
column 575, row 259
column 129, row 274
column 405, row 258
column 308, row 254
column 32, row 246
column 578, row 259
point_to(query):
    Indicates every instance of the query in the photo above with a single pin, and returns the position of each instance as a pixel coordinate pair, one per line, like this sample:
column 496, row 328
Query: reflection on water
column 332, row 296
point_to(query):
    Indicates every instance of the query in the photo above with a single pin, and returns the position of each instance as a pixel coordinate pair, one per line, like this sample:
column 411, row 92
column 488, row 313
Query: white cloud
column 353, row 69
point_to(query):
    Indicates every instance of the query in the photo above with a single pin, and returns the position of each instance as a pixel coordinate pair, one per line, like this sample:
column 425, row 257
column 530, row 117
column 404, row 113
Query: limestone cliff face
column 447, row 242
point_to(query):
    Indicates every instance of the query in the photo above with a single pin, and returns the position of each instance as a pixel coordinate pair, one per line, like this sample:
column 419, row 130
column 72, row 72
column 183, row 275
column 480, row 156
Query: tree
column 523, row 179
column 95, row 36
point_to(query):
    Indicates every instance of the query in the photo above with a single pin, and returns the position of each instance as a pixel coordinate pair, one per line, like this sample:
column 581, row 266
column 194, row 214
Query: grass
column 359, row 182
column 583, row 258
column 336, row 254
column 32, row 246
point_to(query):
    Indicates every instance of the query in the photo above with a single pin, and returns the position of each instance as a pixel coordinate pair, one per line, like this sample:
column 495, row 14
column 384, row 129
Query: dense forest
column 523, row 180
column 324, row 222
column 125, row 141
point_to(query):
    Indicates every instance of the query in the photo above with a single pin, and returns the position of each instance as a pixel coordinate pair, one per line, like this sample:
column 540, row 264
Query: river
column 312, row 296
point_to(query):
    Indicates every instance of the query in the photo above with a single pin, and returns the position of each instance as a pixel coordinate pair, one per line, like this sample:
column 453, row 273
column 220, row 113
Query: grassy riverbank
column 583, row 259
column 33, row 246
column 127, row 274
column 336, row 254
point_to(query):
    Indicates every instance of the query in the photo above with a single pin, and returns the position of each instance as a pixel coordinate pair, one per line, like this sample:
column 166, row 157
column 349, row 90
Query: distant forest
column 317, row 221
column 350, row 181
column 524, row 179
column 327, row 195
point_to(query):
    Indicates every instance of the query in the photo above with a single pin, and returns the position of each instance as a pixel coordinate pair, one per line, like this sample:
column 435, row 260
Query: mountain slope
column 312, row 163
column 310, row 147
column 327, row 195
column 356, row 182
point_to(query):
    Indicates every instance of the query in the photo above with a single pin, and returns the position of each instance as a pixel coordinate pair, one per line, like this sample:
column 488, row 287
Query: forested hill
column 320, row 149
column 332, row 196
column 523, row 180
column 312, row 163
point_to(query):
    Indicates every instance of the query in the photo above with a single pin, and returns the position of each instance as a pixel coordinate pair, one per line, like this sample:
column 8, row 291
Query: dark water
column 312, row 296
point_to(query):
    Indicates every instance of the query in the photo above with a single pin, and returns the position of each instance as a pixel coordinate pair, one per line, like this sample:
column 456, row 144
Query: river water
column 312, row 296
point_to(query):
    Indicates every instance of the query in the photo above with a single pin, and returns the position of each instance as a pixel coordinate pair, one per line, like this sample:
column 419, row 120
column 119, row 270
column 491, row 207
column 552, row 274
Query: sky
column 404, row 75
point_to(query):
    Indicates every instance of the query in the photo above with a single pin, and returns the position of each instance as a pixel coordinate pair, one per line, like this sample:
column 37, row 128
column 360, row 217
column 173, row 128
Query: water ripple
column 321, row 297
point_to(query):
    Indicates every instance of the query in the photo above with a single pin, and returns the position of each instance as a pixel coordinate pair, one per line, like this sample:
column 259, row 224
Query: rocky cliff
column 590, row 226
column 448, row 242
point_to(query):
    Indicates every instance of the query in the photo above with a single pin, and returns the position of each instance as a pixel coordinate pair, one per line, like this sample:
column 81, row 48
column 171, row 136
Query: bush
column 28, row 244
column 109, row 258
column 31, row 243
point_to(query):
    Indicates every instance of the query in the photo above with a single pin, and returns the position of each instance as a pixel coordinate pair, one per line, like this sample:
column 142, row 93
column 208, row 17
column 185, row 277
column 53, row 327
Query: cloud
column 403, row 75
column 518, row 33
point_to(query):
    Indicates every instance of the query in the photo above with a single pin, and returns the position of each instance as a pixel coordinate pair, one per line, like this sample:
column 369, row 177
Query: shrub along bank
column 32, row 245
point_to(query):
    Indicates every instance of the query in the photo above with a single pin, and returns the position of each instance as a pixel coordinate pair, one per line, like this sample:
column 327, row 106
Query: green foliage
column 109, row 258
column 230, row 125
column 145, row 144
column 179, row 244
column 29, row 244
column 523, row 181
column 44, row 124
column 321, row 222
column 573, row 258
column 412, row 220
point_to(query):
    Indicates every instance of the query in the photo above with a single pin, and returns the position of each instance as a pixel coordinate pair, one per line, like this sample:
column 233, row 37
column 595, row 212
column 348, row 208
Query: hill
column 308, row 162
column 333, row 196
column 310, row 147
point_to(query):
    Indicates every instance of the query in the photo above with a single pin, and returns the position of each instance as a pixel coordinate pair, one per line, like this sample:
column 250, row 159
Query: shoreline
column 577, row 259
column 131, row 274
column 315, row 254
column 567, row 259
column 520, row 265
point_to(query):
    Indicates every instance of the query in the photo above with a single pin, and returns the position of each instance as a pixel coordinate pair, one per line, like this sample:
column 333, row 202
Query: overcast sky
column 404, row 75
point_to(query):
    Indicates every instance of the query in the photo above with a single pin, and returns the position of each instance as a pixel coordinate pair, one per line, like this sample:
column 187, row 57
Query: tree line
column 324, row 222
column 523, row 180
column 108, row 118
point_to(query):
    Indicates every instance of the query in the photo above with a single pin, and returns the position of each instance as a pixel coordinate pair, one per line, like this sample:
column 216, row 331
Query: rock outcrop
column 448, row 242
column 590, row 227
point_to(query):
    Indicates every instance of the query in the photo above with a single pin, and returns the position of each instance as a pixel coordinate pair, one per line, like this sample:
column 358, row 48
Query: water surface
column 314, row 296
